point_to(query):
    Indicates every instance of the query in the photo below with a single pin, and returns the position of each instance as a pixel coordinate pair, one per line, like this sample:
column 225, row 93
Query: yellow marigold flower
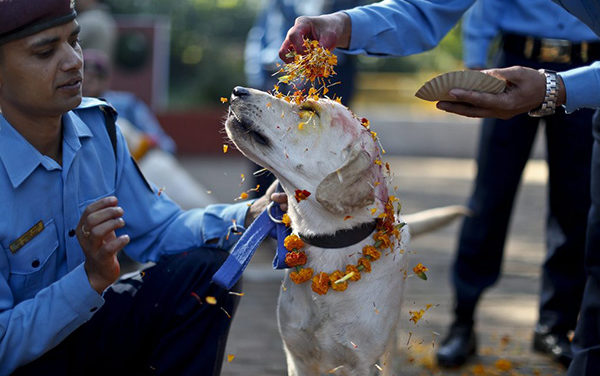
column 211, row 300
column 320, row 283
column 503, row 364
column 371, row 251
column 366, row 264
column 353, row 269
column 295, row 258
column 337, row 286
column 301, row 125
column 415, row 316
column 225, row 148
column 292, row 242
column 223, row 100
column 302, row 275
column 286, row 220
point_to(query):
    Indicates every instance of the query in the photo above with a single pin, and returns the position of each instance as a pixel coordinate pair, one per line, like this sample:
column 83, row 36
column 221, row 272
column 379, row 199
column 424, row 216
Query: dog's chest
column 343, row 326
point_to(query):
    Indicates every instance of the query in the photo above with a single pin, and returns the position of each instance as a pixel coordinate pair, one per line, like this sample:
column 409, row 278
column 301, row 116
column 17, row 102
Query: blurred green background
column 207, row 44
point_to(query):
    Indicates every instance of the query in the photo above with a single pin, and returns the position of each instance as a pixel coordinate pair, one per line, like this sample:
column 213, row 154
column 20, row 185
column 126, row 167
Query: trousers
column 586, row 343
column 156, row 323
column 504, row 148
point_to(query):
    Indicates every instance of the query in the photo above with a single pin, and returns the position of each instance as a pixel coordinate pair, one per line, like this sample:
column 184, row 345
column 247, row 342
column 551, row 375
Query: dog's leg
column 297, row 367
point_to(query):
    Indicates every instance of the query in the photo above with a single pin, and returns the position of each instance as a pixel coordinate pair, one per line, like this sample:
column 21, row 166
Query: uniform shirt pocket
column 33, row 266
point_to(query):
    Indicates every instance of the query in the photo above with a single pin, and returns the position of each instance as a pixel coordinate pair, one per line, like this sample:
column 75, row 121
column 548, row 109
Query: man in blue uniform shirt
column 72, row 198
column 541, row 35
column 375, row 29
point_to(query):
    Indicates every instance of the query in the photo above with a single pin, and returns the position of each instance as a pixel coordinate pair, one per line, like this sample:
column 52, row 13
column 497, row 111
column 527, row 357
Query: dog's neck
column 341, row 238
column 309, row 218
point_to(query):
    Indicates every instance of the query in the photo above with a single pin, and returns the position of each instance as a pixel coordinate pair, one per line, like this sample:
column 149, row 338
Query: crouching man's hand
column 260, row 205
column 100, row 244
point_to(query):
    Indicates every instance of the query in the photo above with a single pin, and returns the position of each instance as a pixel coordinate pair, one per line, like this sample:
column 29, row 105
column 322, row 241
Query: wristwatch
column 548, row 106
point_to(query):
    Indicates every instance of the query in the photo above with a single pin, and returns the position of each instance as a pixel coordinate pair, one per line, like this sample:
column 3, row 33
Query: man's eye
column 44, row 54
column 75, row 42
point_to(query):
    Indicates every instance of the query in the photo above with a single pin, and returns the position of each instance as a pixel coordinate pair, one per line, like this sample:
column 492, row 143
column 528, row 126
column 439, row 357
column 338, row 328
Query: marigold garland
column 386, row 229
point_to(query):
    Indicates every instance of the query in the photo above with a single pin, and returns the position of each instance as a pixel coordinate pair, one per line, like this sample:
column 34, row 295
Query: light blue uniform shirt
column 44, row 290
column 537, row 18
column 406, row 27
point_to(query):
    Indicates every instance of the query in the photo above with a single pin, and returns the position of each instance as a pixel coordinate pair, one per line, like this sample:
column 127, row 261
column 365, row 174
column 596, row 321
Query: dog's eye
column 308, row 109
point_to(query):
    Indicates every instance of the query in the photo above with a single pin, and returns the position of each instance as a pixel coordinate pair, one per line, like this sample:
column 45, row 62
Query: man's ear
column 350, row 187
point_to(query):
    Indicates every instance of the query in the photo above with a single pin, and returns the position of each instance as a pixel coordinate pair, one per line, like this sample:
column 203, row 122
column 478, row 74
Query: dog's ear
column 350, row 187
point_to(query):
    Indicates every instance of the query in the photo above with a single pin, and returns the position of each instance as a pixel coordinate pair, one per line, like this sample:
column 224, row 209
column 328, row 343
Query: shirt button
column 71, row 233
column 35, row 263
column 94, row 309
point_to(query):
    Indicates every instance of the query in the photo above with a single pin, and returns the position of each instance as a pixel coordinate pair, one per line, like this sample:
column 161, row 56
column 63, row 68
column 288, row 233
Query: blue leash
column 266, row 224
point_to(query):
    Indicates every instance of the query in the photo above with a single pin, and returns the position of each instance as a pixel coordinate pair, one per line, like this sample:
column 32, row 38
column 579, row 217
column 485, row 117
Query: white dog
column 322, row 147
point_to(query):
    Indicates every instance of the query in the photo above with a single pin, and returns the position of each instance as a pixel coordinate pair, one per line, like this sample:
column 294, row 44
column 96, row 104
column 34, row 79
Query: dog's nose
column 239, row 91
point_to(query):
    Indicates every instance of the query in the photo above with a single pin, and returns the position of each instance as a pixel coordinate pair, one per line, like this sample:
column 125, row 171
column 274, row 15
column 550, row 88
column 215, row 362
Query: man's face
column 41, row 75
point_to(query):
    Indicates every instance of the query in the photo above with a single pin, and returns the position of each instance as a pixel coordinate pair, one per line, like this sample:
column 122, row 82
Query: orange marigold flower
column 286, row 220
column 320, row 283
column 301, row 194
column 243, row 195
column 353, row 269
column 503, row 364
column 338, row 286
column 366, row 264
column 379, row 236
column 223, row 100
column 371, row 251
column 302, row 275
column 295, row 259
column 420, row 270
column 479, row 370
column 292, row 242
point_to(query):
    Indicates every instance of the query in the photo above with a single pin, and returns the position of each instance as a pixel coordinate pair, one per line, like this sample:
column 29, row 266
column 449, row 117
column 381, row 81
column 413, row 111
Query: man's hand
column 331, row 30
column 525, row 91
column 260, row 205
column 96, row 235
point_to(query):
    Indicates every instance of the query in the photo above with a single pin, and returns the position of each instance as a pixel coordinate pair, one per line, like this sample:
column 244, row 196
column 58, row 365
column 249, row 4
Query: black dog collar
column 341, row 238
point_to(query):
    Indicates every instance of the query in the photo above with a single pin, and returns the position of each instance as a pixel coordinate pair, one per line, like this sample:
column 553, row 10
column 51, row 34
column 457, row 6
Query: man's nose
column 73, row 58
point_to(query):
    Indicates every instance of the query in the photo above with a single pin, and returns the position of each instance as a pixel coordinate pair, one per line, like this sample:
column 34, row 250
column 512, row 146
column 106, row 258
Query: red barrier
column 198, row 131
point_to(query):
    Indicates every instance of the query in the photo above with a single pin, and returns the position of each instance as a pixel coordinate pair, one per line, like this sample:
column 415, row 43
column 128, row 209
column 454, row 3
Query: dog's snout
column 239, row 91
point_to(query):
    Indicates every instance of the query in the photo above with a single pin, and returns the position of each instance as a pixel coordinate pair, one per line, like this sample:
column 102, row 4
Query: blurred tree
column 446, row 56
column 207, row 46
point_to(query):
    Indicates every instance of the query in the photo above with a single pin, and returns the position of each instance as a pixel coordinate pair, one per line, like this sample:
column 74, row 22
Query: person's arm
column 479, row 28
column 578, row 88
column 31, row 327
column 582, row 87
column 390, row 27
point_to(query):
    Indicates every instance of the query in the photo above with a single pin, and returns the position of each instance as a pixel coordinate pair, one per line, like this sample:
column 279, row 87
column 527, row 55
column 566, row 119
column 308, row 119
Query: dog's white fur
column 332, row 156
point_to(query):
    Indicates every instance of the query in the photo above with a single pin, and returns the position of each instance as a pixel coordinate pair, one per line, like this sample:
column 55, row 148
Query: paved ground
column 506, row 316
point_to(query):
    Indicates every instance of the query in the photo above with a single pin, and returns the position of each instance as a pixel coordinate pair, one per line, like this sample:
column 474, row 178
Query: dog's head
column 318, row 146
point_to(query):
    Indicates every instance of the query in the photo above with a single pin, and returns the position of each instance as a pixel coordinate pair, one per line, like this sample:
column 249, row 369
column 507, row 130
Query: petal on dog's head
column 349, row 188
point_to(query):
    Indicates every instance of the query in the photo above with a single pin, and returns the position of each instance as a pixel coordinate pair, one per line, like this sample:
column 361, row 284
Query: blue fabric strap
column 232, row 269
